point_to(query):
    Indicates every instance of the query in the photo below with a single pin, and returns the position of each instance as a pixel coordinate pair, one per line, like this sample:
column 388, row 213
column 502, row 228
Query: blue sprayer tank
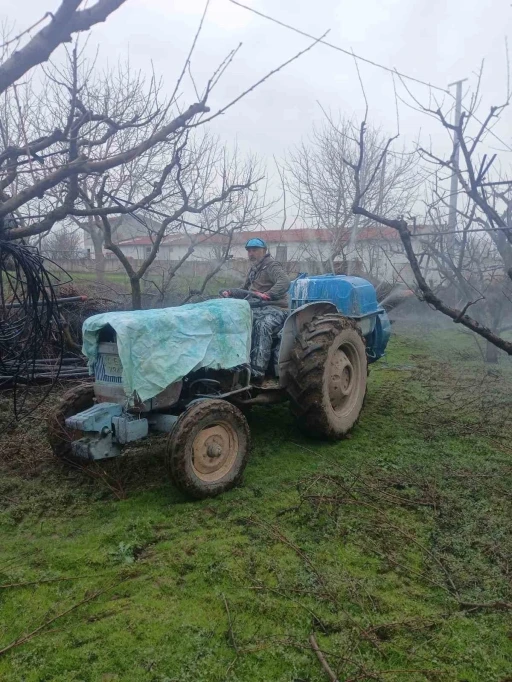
column 354, row 297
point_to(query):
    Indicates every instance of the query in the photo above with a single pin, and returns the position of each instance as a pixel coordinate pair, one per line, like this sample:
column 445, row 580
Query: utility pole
column 382, row 182
column 355, row 228
column 454, row 186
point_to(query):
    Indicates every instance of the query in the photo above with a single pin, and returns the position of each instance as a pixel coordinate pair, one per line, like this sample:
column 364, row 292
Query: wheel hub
column 214, row 451
column 341, row 379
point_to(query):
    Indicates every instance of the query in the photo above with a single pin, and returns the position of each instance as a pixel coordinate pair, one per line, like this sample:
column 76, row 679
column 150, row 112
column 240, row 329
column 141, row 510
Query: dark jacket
column 268, row 277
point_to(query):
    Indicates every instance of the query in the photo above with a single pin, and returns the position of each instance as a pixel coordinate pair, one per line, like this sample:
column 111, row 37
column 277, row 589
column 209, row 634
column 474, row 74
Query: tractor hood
column 161, row 346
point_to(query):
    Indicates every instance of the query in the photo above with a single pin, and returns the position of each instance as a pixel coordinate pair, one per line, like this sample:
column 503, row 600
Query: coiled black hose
column 29, row 319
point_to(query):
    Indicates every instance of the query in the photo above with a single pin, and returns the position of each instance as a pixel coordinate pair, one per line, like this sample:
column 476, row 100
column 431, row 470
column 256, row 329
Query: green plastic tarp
column 158, row 347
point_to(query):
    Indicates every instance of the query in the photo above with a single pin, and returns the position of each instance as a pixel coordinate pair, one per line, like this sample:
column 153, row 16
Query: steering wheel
column 254, row 301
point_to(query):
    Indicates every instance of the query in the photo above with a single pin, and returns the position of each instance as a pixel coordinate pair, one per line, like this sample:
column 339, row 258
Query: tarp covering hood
column 158, row 347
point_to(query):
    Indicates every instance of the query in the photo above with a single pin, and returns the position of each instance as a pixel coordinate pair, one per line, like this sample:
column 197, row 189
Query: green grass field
column 180, row 288
column 115, row 277
column 393, row 548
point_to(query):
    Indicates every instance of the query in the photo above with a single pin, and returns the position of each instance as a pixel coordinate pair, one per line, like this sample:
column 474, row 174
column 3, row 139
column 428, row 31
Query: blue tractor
column 185, row 371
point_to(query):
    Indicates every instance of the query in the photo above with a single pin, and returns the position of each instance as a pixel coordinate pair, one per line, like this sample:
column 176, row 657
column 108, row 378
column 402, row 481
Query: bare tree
column 325, row 186
column 459, row 255
column 118, row 93
column 209, row 194
column 62, row 244
column 466, row 265
column 66, row 151
column 242, row 210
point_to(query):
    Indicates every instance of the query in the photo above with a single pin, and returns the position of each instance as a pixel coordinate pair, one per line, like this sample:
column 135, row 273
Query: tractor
column 185, row 371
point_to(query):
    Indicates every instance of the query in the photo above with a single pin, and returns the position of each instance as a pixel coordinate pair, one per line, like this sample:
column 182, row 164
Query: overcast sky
column 433, row 40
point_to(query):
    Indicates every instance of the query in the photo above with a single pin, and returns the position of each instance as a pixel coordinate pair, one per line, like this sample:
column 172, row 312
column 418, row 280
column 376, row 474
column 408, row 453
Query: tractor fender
column 292, row 328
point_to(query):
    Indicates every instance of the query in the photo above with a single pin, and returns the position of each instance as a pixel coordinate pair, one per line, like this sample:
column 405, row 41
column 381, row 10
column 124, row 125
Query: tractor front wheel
column 75, row 400
column 328, row 380
column 208, row 448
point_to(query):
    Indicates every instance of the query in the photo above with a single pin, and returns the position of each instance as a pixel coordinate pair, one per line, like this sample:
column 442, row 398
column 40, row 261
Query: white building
column 376, row 251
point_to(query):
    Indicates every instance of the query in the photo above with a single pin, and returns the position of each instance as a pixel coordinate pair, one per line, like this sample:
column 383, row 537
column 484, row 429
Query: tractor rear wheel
column 327, row 384
column 208, row 448
column 75, row 400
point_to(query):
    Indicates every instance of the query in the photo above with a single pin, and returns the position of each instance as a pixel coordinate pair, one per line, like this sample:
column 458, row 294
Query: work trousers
column 267, row 322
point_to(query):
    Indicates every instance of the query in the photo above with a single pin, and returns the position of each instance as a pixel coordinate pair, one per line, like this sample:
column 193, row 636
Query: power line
column 489, row 130
column 460, row 232
column 367, row 61
column 337, row 47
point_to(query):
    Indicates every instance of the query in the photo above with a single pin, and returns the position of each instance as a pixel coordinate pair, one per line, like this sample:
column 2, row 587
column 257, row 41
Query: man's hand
column 242, row 293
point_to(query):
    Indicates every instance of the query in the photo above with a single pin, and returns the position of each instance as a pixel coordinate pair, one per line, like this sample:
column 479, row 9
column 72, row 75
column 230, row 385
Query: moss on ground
column 392, row 547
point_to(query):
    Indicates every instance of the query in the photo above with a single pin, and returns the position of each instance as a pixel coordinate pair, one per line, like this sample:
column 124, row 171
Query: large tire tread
column 306, row 380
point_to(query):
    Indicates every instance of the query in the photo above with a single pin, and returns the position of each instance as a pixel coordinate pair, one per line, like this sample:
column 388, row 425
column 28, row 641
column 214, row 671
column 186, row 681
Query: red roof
column 301, row 235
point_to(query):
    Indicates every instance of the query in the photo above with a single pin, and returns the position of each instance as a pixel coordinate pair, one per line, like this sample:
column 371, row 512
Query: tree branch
column 84, row 166
column 64, row 22
column 428, row 295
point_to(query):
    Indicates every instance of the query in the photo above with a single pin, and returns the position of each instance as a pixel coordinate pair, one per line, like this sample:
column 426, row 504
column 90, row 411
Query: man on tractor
column 268, row 281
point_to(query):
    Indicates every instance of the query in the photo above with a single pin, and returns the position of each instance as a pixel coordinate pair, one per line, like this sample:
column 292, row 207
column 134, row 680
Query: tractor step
column 269, row 384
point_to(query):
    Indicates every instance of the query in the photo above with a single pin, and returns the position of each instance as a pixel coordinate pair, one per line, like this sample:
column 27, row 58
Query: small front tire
column 208, row 449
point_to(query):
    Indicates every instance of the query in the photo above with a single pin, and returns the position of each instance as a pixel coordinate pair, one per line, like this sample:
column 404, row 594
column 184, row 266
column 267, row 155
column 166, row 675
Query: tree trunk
column 136, row 293
column 491, row 353
column 99, row 258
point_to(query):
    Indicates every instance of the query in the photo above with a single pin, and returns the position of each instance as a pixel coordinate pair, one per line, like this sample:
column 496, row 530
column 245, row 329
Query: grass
column 392, row 547
column 184, row 282
column 117, row 284
column 114, row 277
